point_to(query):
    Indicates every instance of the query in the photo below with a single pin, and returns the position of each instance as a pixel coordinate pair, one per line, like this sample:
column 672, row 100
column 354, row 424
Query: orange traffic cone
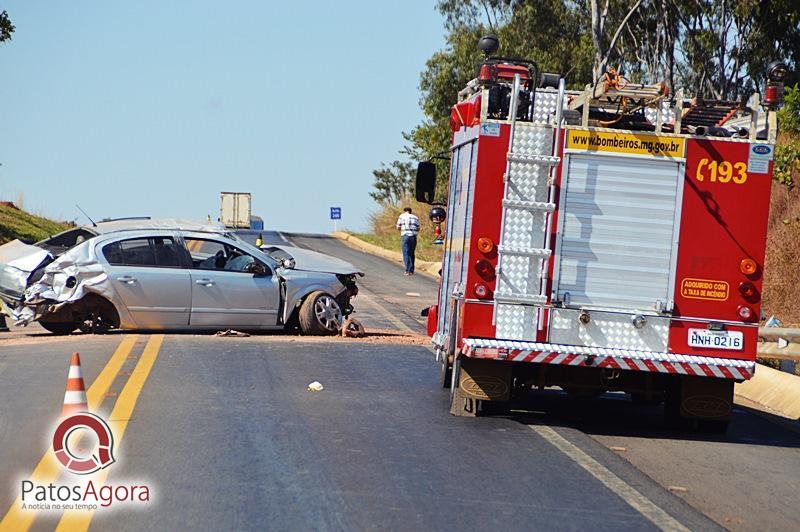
column 75, row 396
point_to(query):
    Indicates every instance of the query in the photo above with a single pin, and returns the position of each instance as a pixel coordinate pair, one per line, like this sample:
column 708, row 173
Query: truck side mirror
column 425, row 186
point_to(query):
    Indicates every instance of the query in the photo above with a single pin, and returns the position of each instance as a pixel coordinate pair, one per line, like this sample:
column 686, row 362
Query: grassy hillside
column 15, row 223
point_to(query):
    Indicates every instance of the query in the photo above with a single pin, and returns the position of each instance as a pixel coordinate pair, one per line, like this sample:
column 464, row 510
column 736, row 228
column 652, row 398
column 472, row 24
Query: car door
column 152, row 280
column 223, row 293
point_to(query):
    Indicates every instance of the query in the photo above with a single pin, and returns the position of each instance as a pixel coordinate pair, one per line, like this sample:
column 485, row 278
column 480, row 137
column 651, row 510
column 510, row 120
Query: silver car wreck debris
column 171, row 274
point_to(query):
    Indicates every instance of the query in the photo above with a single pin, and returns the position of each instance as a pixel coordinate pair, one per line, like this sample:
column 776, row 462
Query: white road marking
column 283, row 237
column 412, row 294
column 627, row 493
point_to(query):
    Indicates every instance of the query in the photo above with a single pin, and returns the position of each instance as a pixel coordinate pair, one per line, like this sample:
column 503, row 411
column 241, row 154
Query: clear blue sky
column 154, row 107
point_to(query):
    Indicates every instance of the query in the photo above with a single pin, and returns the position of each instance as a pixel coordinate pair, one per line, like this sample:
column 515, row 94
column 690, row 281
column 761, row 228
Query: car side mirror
column 425, row 185
column 256, row 268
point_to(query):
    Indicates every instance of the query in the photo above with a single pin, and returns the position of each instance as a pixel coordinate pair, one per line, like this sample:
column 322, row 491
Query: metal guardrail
column 779, row 342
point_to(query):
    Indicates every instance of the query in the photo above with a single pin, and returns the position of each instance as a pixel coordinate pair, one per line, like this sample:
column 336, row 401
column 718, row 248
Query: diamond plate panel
column 516, row 322
column 533, row 139
column 609, row 330
column 667, row 115
column 545, row 105
column 528, row 182
column 520, row 275
column 523, row 229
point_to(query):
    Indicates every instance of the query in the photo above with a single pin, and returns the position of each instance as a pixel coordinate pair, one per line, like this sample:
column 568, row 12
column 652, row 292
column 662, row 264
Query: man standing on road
column 408, row 224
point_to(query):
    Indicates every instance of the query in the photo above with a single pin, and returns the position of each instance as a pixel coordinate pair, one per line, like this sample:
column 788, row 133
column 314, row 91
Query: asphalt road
column 227, row 435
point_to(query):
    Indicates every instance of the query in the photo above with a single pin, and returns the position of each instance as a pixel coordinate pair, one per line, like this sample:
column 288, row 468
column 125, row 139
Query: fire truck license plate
column 716, row 339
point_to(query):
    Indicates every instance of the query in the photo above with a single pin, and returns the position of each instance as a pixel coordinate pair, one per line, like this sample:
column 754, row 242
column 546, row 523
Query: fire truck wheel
column 320, row 314
column 445, row 372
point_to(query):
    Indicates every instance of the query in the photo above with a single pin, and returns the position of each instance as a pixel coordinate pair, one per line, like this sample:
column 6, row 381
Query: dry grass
column 782, row 264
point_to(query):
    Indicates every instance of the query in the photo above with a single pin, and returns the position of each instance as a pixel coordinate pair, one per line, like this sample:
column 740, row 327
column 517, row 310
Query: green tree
column 547, row 31
column 787, row 152
column 714, row 48
column 392, row 182
column 6, row 27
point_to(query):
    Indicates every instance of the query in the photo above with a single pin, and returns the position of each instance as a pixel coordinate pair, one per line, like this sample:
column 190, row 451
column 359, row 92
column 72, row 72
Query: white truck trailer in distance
column 234, row 209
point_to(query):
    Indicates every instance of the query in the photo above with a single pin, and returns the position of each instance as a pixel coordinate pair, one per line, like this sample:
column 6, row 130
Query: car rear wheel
column 59, row 327
column 320, row 314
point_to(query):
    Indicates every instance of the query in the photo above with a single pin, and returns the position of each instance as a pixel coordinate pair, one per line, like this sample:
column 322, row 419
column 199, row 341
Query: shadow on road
column 615, row 415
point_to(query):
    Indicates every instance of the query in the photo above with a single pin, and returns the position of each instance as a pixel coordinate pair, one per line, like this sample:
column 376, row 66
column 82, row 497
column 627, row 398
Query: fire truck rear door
column 618, row 235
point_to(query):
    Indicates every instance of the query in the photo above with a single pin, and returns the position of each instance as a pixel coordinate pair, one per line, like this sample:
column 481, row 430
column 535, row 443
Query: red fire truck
column 609, row 239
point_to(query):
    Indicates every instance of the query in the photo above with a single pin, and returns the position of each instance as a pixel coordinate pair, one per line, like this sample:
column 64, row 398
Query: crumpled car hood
column 17, row 261
column 312, row 261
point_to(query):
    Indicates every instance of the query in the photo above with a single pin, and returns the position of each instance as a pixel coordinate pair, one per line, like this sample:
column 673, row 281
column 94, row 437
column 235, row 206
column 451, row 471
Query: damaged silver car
column 171, row 274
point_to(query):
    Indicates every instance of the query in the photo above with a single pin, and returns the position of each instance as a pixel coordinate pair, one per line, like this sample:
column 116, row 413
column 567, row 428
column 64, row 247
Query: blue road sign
column 336, row 213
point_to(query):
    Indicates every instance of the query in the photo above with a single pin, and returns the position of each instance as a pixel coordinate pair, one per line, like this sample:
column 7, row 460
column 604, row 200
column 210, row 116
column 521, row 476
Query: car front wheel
column 320, row 314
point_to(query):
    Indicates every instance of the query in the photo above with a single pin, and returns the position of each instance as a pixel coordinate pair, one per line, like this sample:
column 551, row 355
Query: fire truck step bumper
column 605, row 357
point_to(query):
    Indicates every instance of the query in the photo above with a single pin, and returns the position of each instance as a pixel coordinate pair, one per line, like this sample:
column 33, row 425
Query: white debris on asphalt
column 315, row 387
column 412, row 294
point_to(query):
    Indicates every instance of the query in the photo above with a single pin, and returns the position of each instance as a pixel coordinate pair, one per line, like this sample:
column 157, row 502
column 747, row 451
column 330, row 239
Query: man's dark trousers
column 409, row 247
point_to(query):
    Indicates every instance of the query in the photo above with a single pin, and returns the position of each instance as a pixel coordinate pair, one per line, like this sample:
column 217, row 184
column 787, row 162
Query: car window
column 156, row 251
column 214, row 255
column 206, row 254
column 165, row 251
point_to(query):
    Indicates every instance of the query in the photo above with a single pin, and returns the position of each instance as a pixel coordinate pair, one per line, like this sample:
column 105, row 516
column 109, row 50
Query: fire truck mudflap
column 600, row 240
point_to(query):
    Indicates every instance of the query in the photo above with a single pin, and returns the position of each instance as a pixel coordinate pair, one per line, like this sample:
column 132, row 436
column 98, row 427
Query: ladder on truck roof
column 527, row 209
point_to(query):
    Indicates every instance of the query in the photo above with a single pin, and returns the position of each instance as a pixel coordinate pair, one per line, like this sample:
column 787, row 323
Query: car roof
column 133, row 224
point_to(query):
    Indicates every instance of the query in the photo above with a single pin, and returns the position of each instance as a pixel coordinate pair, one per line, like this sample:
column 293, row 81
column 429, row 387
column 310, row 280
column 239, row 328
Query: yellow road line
column 74, row 520
column 102, row 383
column 48, row 469
column 625, row 491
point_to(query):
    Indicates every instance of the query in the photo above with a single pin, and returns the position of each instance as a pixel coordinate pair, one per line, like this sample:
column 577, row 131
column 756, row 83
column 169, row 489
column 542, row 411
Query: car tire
column 59, row 328
column 320, row 314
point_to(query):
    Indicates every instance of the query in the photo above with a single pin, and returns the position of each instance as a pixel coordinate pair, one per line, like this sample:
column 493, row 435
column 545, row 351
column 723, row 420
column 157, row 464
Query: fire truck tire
column 445, row 372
